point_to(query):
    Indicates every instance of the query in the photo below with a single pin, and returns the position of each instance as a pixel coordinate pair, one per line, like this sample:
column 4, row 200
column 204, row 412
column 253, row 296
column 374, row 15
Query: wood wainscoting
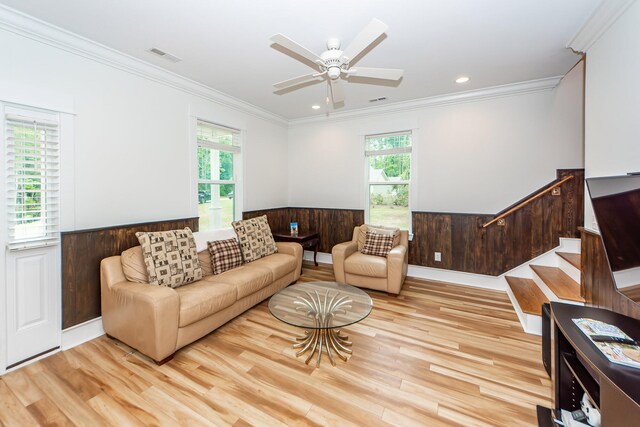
column 528, row 232
column 597, row 286
column 462, row 240
column 333, row 225
column 82, row 252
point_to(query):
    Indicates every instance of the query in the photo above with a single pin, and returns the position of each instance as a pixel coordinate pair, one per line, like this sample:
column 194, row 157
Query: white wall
column 476, row 157
column 612, row 102
column 132, row 160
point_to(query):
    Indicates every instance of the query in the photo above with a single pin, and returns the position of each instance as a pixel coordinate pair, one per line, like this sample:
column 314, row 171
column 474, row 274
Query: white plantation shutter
column 32, row 179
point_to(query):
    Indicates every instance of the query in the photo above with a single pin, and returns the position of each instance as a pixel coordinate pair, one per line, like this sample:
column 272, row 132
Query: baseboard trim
column 81, row 333
column 322, row 257
column 436, row 274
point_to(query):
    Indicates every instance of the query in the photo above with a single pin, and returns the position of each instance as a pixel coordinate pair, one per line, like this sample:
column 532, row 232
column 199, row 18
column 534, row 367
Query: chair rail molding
column 27, row 26
column 598, row 23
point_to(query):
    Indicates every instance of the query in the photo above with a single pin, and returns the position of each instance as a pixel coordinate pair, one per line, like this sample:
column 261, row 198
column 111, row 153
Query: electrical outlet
column 437, row 256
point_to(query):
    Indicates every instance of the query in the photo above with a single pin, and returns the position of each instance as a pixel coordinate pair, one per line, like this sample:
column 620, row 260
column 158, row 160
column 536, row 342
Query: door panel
column 33, row 302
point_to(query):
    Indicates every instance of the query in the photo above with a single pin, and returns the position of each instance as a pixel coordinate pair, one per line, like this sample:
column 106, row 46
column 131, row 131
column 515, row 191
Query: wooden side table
column 308, row 240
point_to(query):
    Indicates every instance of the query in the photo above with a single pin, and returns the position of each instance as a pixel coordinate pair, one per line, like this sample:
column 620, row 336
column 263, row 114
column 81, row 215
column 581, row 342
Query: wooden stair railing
column 528, row 200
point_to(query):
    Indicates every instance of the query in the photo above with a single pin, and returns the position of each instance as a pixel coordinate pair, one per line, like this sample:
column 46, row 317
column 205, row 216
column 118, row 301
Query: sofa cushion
column 247, row 279
column 133, row 266
column 204, row 258
column 170, row 257
column 362, row 234
column 256, row 240
column 366, row 265
column 225, row 255
column 280, row 264
column 201, row 299
column 377, row 244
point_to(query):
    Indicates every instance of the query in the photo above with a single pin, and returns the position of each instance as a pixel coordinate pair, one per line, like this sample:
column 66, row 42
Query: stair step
column 571, row 258
column 529, row 296
column 563, row 286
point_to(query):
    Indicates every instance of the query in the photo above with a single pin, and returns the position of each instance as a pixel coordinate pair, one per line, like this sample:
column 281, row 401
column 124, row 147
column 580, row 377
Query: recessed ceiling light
column 462, row 79
column 315, row 107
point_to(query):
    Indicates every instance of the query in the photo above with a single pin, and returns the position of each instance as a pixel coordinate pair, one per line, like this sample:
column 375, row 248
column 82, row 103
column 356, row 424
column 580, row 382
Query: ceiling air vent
column 169, row 57
column 382, row 98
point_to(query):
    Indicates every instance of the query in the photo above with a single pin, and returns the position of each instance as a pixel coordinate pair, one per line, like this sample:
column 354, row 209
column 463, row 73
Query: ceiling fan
column 334, row 64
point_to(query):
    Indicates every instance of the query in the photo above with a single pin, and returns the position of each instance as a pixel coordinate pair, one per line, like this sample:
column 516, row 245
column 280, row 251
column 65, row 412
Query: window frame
column 236, row 152
column 412, row 172
column 51, row 176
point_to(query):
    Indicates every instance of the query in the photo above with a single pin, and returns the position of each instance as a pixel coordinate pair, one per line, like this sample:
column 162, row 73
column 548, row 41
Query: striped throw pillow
column 377, row 244
column 225, row 255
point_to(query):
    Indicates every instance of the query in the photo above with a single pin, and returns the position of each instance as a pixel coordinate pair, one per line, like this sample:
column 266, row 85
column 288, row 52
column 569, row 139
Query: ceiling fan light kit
column 335, row 64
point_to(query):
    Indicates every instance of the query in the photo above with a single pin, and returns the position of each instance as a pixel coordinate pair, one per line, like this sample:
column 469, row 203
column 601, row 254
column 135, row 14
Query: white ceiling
column 225, row 44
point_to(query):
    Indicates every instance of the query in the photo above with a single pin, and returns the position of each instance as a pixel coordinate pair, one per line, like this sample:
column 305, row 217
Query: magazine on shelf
column 624, row 354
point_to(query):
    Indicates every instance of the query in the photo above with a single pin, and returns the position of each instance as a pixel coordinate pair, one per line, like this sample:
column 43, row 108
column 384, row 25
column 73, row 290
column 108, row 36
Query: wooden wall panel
column 464, row 244
column 82, row 252
column 334, row 225
column 528, row 232
column 597, row 285
column 278, row 217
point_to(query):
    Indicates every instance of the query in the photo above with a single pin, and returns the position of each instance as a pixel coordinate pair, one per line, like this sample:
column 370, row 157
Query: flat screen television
column 616, row 204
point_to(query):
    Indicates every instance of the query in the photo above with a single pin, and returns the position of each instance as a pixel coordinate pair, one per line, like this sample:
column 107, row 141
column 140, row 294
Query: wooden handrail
column 526, row 202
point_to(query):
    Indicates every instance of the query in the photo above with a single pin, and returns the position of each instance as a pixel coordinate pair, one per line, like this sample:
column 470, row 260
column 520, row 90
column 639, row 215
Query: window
column 218, row 161
column 388, row 168
column 32, row 177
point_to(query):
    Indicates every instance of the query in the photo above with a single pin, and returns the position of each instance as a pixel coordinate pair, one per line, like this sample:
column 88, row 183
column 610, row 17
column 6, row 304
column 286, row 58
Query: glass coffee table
column 321, row 308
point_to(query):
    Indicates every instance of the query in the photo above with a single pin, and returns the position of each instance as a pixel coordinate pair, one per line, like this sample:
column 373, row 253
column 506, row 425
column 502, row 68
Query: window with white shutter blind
column 32, row 177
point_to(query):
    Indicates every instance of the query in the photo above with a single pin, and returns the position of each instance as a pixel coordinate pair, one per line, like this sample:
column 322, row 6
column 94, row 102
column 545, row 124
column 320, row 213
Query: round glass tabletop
column 320, row 305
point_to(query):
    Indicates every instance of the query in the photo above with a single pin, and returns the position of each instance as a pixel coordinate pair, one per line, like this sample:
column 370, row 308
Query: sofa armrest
column 294, row 249
column 339, row 253
column 396, row 268
column 140, row 315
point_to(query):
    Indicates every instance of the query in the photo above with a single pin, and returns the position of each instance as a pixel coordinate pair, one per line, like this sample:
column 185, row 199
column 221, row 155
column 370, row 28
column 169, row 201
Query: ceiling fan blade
column 289, row 44
column 337, row 94
column 297, row 80
column 376, row 73
column 368, row 35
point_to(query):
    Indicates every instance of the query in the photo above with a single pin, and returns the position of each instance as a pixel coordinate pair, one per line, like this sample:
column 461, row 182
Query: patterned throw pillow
column 377, row 244
column 225, row 255
column 390, row 231
column 170, row 257
column 256, row 240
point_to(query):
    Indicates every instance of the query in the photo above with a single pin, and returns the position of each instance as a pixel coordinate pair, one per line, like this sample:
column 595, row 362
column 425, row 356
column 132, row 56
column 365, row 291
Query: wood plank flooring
column 436, row 355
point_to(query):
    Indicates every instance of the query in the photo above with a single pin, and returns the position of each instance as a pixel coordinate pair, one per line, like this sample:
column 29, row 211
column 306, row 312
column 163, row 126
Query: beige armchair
column 370, row 271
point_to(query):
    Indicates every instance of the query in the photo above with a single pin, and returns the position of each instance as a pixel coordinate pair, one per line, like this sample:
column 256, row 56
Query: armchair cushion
column 366, row 265
column 377, row 244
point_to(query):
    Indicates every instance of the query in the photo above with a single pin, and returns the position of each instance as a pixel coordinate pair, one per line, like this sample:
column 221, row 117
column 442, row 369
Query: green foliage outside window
column 28, row 199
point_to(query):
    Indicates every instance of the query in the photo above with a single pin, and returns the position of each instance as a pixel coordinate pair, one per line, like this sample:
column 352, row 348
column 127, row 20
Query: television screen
column 616, row 204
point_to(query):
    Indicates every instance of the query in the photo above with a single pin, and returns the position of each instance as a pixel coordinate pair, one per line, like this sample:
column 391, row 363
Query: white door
column 29, row 223
column 33, row 302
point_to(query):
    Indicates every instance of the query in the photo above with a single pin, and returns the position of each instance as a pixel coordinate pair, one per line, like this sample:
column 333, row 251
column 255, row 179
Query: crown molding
column 27, row 26
column 439, row 100
column 598, row 23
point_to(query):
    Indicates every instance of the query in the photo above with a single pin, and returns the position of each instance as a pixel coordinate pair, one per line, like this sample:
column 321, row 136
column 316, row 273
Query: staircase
column 554, row 276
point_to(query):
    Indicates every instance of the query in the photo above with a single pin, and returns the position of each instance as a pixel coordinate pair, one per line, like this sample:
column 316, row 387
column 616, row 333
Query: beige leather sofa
column 158, row 321
column 370, row 271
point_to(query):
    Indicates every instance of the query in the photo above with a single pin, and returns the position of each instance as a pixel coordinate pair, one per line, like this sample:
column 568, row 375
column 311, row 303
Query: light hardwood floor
column 437, row 355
